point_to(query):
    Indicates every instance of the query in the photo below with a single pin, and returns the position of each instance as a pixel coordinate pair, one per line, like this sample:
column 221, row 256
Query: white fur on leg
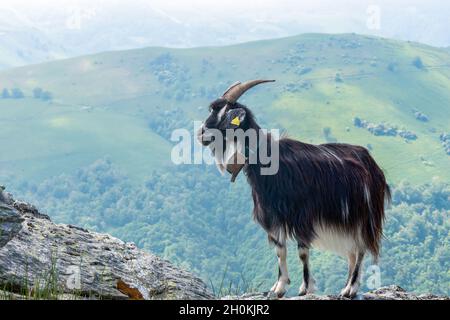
column 307, row 286
column 346, row 291
column 274, row 286
column 351, row 290
column 351, row 265
column 354, row 289
column 280, row 290
column 283, row 280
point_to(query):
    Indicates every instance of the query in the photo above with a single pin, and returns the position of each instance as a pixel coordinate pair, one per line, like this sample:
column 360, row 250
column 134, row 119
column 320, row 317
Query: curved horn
column 237, row 89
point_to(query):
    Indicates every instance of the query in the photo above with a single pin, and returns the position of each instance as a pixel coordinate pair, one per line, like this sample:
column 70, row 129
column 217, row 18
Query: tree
column 6, row 94
column 392, row 66
column 417, row 62
column 327, row 135
column 46, row 95
column 17, row 93
column 37, row 92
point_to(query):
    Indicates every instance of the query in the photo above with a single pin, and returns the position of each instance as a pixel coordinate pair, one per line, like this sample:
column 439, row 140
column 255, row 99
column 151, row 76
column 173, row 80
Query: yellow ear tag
column 236, row 121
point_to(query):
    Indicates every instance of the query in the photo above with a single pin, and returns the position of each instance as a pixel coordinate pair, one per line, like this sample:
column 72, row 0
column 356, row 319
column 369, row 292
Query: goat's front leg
column 308, row 281
column 283, row 277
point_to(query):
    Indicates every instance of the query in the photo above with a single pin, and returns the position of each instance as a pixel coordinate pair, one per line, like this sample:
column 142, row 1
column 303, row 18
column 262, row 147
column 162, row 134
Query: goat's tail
column 379, row 197
column 387, row 196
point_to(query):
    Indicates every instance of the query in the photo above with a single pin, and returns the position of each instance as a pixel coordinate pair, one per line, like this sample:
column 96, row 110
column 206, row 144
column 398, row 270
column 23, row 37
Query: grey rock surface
column 37, row 254
column 392, row 292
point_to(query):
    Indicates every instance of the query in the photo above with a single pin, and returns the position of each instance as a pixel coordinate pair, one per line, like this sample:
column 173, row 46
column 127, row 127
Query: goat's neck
column 262, row 138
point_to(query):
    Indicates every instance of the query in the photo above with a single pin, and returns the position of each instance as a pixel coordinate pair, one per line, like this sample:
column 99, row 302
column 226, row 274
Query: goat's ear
column 233, row 119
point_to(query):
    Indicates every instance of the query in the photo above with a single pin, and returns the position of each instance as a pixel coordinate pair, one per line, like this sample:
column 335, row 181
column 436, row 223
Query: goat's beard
column 228, row 159
column 205, row 139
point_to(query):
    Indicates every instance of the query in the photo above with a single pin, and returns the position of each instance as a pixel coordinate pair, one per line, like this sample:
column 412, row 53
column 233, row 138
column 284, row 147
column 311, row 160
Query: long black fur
column 312, row 187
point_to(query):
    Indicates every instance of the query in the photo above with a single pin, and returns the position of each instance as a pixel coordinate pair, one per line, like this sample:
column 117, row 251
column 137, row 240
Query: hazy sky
column 424, row 21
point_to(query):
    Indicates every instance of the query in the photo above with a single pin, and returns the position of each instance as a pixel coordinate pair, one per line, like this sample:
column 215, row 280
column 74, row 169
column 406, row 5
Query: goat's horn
column 237, row 89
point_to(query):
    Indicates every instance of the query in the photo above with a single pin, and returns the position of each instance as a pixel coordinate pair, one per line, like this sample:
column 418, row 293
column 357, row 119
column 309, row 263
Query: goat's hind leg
column 308, row 281
column 354, row 274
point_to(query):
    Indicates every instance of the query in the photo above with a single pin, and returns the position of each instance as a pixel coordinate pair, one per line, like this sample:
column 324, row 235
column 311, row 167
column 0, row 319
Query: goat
column 329, row 196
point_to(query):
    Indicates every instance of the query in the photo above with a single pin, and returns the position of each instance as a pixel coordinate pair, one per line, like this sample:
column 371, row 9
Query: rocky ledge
column 41, row 259
column 392, row 292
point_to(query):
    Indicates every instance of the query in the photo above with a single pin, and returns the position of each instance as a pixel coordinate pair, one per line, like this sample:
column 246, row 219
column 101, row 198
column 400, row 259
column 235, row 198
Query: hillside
column 323, row 81
column 94, row 150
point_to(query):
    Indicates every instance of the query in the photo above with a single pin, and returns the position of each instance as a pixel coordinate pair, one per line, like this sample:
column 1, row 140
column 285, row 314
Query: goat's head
column 226, row 113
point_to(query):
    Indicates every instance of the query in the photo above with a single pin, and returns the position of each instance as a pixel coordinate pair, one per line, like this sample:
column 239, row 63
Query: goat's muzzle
column 203, row 137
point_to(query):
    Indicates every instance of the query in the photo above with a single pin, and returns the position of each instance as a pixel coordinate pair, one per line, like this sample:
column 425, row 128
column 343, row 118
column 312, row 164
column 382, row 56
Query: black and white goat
column 329, row 196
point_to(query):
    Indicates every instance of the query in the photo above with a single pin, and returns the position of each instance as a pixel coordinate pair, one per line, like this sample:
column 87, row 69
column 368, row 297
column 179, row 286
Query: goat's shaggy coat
column 336, row 187
column 331, row 196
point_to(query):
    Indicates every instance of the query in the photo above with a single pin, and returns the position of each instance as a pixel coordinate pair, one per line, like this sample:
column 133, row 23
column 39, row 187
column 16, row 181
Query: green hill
column 323, row 81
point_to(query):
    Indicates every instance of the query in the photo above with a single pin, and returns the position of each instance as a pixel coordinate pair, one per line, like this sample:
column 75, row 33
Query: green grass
column 224, row 287
column 43, row 139
column 44, row 286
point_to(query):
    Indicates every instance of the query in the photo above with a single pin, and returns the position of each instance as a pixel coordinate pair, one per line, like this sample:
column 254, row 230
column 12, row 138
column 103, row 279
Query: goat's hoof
column 274, row 287
column 302, row 292
column 345, row 293
column 279, row 288
column 280, row 294
column 348, row 293
column 275, row 294
column 353, row 293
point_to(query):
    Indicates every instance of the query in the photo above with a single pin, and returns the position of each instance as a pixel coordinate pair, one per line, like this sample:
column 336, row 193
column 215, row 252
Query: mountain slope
column 323, row 83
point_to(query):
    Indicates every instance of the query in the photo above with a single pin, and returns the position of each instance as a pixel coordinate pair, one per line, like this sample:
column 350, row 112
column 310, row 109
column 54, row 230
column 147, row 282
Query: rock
column 392, row 292
column 47, row 260
column 10, row 223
